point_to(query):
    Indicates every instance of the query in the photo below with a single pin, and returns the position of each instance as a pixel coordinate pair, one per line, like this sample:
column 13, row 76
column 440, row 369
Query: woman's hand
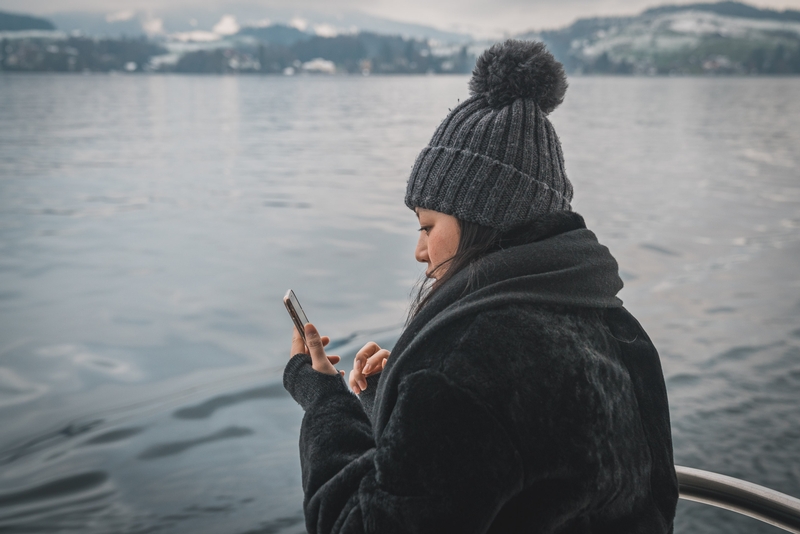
column 320, row 361
column 370, row 360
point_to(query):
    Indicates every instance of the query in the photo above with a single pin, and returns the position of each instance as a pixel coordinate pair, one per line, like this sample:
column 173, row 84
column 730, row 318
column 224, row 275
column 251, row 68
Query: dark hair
column 475, row 241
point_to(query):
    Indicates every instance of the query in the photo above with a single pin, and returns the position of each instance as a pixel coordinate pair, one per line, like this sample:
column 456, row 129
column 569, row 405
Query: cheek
column 440, row 248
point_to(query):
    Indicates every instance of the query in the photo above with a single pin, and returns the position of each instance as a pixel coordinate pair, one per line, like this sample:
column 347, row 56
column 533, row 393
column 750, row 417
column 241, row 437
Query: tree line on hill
column 713, row 55
column 725, row 38
column 358, row 53
column 662, row 40
column 76, row 54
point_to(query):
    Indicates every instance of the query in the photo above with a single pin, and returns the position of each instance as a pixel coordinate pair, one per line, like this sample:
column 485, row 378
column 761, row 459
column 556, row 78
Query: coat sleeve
column 443, row 463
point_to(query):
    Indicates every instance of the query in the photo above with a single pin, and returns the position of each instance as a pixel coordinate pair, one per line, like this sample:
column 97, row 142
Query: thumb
column 314, row 342
column 319, row 361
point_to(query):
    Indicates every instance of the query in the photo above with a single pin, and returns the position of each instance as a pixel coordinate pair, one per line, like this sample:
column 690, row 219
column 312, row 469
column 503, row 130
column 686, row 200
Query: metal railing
column 764, row 504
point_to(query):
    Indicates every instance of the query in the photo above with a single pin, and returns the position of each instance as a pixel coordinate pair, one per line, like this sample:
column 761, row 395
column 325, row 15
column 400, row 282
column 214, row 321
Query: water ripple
column 57, row 488
column 113, row 436
column 177, row 447
column 207, row 408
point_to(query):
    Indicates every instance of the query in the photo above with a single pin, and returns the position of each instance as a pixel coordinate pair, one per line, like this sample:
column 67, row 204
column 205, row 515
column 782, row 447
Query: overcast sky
column 474, row 16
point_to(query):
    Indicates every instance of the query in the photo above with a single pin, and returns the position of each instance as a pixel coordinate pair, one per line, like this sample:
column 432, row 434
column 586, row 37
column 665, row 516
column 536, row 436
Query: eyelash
column 425, row 229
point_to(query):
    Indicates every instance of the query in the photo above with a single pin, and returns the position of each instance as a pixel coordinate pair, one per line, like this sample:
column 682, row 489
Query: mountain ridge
column 164, row 22
column 728, row 8
column 10, row 21
column 722, row 38
column 702, row 38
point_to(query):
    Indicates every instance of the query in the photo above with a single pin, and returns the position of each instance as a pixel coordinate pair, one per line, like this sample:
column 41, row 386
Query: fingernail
column 359, row 364
column 363, row 384
column 367, row 367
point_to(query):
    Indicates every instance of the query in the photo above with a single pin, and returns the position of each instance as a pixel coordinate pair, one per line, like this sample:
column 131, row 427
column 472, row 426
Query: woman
column 521, row 396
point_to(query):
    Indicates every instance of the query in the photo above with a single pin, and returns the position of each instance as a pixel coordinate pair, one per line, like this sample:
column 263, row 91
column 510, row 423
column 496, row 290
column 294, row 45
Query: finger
column 298, row 347
column 375, row 362
column 353, row 383
column 358, row 380
column 362, row 355
column 383, row 363
column 334, row 359
column 325, row 341
column 314, row 341
column 369, row 349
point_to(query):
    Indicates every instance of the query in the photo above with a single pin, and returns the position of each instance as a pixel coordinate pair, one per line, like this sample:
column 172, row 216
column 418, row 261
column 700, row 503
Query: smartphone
column 296, row 313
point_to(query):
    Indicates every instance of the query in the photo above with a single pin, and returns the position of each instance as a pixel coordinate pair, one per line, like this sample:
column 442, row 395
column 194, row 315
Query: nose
column 421, row 252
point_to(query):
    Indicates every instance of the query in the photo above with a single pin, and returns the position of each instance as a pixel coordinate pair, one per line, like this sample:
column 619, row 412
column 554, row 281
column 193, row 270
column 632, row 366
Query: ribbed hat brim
column 480, row 189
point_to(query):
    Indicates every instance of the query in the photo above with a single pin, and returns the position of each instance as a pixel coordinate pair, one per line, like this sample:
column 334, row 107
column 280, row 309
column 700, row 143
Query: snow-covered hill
column 727, row 37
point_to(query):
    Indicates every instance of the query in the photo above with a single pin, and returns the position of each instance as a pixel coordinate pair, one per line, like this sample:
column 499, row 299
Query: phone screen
column 296, row 312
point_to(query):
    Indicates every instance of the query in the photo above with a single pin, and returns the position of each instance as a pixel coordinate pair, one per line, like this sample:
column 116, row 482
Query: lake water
column 149, row 226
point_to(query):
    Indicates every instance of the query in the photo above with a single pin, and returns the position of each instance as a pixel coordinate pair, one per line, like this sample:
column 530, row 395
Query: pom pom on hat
column 519, row 69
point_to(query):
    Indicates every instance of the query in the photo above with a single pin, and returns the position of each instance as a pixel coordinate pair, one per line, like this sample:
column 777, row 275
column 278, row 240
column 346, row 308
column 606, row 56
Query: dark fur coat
column 522, row 398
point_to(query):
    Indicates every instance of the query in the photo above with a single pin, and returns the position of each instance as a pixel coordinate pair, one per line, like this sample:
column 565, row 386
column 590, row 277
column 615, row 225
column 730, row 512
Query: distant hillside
column 77, row 54
column 277, row 34
column 254, row 51
column 167, row 21
column 358, row 53
column 704, row 38
column 13, row 22
column 729, row 9
column 722, row 38
column 115, row 25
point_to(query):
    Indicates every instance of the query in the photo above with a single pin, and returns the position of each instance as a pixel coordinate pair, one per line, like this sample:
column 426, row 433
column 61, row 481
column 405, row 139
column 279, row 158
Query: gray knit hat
column 496, row 160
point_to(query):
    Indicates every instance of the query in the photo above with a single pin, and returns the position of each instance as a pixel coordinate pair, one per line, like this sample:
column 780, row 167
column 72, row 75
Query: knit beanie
column 495, row 160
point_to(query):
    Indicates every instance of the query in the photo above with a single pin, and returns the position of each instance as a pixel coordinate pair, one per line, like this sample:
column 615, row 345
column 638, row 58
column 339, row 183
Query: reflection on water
column 149, row 227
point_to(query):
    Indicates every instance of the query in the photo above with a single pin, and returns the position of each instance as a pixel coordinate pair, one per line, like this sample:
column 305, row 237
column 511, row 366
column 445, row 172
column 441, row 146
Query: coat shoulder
column 529, row 335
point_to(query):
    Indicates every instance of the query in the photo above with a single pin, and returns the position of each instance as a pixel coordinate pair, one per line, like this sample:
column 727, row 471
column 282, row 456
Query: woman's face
column 438, row 239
